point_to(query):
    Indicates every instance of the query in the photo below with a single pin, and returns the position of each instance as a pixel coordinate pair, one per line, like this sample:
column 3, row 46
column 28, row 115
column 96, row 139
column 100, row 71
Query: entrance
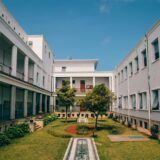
column 82, row 86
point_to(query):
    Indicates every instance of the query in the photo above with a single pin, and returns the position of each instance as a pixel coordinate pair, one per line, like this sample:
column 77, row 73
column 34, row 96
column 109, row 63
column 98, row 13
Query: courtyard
column 50, row 143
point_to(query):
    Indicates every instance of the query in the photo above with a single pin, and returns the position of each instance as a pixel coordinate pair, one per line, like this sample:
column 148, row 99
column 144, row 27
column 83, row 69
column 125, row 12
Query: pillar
column 51, row 104
column 54, row 84
column 25, row 102
column 14, row 61
column 110, row 83
column 26, row 68
column 71, row 84
column 13, row 102
column 94, row 81
column 40, row 103
column 34, row 103
column 35, row 74
column 45, row 103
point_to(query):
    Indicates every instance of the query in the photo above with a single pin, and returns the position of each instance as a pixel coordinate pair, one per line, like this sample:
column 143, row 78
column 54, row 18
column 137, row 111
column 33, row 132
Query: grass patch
column 51, row 143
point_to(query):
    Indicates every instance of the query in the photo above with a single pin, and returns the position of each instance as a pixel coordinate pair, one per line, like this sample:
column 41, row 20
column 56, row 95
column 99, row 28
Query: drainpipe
column 148, row 78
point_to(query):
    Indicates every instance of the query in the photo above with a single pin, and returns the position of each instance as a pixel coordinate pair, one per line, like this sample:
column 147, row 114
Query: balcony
column 20, row 75
column 5, row 69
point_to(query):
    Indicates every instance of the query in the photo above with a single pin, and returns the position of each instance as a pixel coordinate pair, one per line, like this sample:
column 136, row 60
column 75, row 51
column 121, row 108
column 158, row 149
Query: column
column 45, row 103
column 14, row 61
column 25, row 102
column 51, row 104
column 35, row 74
column 110, row 83
column 26, row 68
column 40, row 103
column 54, row 84
column 94, row 81
column 54, row 103
column 13, row 102
column 34, row 103
column 71, row 84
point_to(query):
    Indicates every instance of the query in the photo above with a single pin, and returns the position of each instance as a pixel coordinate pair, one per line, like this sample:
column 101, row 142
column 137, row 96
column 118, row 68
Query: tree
column 66, row 96
column 98, row 101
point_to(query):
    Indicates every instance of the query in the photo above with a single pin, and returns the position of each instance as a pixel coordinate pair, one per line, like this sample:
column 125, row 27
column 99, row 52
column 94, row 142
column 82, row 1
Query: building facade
column 82, row 76
column 137, row 83
column 25, row 72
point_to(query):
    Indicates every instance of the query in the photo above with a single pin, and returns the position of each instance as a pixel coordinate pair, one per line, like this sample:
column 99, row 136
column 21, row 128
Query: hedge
column 48, row 119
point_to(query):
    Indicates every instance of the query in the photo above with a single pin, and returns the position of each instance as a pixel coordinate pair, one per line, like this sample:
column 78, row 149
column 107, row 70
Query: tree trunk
column 96, row 121
column 66, row 113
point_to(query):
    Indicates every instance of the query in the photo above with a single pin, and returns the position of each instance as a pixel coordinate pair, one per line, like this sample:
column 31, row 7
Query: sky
column 88, row 29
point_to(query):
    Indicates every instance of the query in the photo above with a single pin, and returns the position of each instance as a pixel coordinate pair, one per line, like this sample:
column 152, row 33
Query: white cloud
column 106, row 5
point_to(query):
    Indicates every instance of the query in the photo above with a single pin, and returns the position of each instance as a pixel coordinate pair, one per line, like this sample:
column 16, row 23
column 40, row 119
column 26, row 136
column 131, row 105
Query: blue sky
column 103, row 29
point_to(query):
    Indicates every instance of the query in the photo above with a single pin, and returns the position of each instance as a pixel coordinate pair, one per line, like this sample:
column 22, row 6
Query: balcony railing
column 5, row 69
column 20, row 75
column 30, row 80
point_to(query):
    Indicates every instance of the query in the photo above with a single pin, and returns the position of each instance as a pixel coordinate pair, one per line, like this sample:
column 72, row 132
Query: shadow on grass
column 111, row 129
column 69, row 121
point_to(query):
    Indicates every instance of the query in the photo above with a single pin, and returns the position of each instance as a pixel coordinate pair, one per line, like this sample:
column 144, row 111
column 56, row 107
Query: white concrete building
column 25, row 71
column 137, row 83
column 82, row 75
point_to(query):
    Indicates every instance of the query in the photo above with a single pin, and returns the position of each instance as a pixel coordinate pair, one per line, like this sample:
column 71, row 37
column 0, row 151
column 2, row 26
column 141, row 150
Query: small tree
column 98, row 101
column 66, row 96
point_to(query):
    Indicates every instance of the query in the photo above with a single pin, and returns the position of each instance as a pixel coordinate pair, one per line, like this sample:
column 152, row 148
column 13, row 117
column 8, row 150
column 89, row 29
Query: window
column 126, row 72
column 43, row 81
column 156, row 100
column 144, row 56
column 156, row 49
column 137, row 64
column 49, row 54
column 37, row 79
column 125, row 101
column 131, row 68
column 73, row 81
column 122, row 76
column 133, row 101
column 30, row 43
column 145, row 125
column 120, row 102
column 63, row 69
column 142, row 100
column 141, row 124
column 118, row 77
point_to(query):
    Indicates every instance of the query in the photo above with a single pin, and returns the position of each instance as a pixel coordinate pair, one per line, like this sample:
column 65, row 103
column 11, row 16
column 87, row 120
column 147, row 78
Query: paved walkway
column 127, row 138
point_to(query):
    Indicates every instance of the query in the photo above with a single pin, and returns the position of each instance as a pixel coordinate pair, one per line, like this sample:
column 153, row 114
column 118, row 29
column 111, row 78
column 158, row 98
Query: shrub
column 154, row 131
column 14, row 132
column 4, row 140
column 82, row 130
column 24, row 127
column 110, row 115
column 48, row 119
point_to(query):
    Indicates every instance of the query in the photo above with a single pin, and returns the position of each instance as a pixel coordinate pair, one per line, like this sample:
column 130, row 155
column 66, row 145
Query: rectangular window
column 137, row 64
column 156, row 49
column 142, row 100
column 144, row 56
column 120, row 102
column 64, row 69
column 118, row 77
column 126, row 72
column 73, row 81
column 141, row 124
column 133, row 101
column 131, row 68
column 156, row 100
column 126, row 102
column 122, row 76
column 37, row 79
column 43, row 81
column 145, row 125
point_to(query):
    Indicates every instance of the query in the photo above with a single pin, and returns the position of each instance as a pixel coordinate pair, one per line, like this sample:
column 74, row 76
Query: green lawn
column 48, row 144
